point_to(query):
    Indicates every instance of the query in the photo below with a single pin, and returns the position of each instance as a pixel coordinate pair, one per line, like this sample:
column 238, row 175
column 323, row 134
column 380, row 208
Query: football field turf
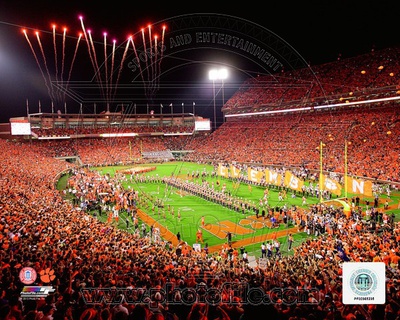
column 171, row 209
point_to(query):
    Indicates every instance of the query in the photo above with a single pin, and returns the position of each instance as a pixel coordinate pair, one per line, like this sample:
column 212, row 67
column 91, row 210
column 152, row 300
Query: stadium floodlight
column 213, row 75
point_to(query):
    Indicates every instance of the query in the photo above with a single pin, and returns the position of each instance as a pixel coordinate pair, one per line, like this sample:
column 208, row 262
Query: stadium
column 152, row 215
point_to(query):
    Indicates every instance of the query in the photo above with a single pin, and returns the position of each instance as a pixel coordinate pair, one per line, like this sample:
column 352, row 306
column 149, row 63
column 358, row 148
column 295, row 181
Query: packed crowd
column 290, row 140
column 137, row 276
column 40, row 229
column 117, row 129
column 369, row 76
column 293, row 140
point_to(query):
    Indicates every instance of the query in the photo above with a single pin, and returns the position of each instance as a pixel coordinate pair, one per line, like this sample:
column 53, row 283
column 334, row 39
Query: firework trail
column 88, row 44
column 58, row 95
column 151, row 53
column 145, row 58
column 55, row 51
column 154, row 80
column 106, row 65
column 138, row 60
column 121, row 65
column 149, row 56
column 96, row 65
column 45, row 64
column 112, row 66
column 162, row 50
column 72, row 62
column 62, row 60
column 63, row 54
column 37, row 61
column 61, row 94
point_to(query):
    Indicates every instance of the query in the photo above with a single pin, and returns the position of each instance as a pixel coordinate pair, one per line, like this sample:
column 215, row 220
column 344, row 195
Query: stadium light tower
column 213, row 75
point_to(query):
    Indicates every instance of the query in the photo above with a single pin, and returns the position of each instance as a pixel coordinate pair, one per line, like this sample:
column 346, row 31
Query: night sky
column 318, row 31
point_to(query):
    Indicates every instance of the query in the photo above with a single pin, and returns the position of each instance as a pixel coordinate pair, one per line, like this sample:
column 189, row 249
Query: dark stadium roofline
column 311, row 108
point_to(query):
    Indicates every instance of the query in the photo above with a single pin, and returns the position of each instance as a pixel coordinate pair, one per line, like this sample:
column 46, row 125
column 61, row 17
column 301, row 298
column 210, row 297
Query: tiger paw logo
column 47, row 275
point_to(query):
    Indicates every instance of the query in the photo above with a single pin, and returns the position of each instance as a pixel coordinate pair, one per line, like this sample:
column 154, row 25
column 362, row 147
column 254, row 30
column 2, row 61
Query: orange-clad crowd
column 133, row 276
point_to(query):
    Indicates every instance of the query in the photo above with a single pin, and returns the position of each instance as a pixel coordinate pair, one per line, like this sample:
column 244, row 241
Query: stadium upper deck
column 374, row 75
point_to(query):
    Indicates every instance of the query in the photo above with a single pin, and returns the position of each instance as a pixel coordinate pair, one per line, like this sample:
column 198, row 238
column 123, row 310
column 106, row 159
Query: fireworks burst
column 107, row 73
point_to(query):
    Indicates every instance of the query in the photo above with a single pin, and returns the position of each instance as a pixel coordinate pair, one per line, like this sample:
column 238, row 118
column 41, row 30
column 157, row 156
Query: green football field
column 192, row 208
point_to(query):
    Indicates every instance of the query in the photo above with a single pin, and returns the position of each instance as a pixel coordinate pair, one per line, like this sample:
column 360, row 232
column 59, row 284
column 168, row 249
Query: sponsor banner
column 36, row 292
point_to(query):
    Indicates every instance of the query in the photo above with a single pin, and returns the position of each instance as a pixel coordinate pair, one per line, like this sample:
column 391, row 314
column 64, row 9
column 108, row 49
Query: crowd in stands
column 117, row 129
column 39, row 228
column 372, row 136
column 372, row 75
column 104, row 151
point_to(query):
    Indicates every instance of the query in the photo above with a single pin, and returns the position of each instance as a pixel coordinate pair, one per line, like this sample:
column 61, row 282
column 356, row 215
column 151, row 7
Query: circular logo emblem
column 363, row 282
column 27, row 275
